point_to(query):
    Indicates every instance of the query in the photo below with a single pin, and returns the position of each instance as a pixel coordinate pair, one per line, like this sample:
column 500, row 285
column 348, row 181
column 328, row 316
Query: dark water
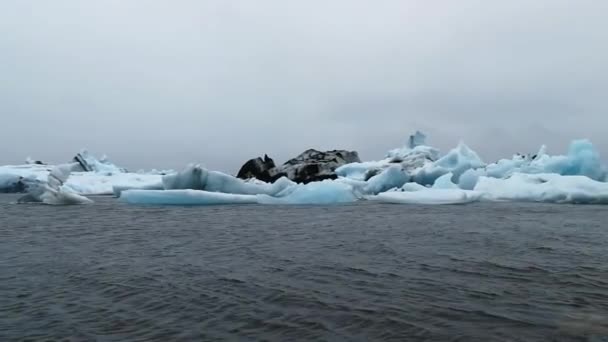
column 481, row 272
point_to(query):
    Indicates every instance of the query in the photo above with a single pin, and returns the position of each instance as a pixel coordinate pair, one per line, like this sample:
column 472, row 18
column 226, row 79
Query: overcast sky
column 164, row 83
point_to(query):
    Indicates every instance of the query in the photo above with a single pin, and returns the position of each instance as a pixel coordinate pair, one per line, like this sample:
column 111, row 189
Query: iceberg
column 457, row 161
column 392, row 177
column 52, row 191
column 11, row 183
column 194, row 177
column 324, row 192
column 548, row 188
column 93, row 183
column 183, row 197
column 414, row 173
column 117, row 190
column 310, row 166
column 428, row 196
column 445, row 182
column 80, row 182
column 582, row 159
column 89, row 163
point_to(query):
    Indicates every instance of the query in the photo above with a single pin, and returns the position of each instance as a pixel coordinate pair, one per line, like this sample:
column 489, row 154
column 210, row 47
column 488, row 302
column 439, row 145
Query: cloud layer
column 161, row 84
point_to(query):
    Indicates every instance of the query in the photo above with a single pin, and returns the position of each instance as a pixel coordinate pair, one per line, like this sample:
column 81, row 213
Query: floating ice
column 411, row 157
column 550, row 188
column 325, row 192
column 445, row 182
column 428, row 196
column 456, row 161
column 392, row 177
column 11, row 183
column 89, row 162
column 194, row 177
column 415, row 173
column 582, row 159
column 183, row 197
column 52, row 191
column 93, row 183
column 118, row 189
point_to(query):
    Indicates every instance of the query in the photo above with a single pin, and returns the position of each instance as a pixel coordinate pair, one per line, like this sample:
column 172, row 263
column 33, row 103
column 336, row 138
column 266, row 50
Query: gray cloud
column 161, row 84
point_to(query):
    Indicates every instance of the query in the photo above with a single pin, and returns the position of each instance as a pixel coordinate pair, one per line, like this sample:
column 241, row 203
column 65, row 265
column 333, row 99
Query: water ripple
column 482, row 272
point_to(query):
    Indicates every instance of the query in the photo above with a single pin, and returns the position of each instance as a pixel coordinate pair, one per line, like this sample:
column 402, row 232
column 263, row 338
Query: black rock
column 310, row 166
column 83, row 163
column 262, row 169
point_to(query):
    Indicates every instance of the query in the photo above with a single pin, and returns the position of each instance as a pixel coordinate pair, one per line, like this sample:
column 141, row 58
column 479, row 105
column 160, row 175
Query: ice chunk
column 221, row 182
column 416, row 147
column 582, row 159
column 457, row 161
column 417, row 139
column 183, row 197
column 360, row 171
column 469, row 178
column 392, row 177
column 412, row 187
column 193, row 177
column 410, row 157
column 118, row 189
column 325, row 192
column 428, row 196
column 10, row 183
column 94, row 183
column 52, row 191
column 551, row 188
column 445, row 182
column 198, row 178
column 89, row 163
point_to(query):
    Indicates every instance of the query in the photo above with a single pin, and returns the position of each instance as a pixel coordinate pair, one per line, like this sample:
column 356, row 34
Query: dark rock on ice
column 310, row 166
column 262, row 169
column 82, row 163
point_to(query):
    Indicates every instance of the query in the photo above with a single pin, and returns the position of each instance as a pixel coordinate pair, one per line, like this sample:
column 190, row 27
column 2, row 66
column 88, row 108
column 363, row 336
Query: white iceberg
column 52, row 191
column 415, row 173
column 428, row 196
column 549, row 188
column 326, row 192
column 184, row 197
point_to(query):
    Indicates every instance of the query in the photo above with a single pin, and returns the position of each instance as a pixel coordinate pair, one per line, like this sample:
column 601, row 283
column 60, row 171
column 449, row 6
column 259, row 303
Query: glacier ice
column 582, row 159
column 324, row 192
column 90, row 163
column 428, row 196
column 392, row 177
column 192, row 177
column 184, row 197
column 52, row 191
column 457, row 161
column 195, row 177
column 415, row 173
column 550, row 188
column 93, row 183
column 117, row 190
column 11, row 183
column 445, row 182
